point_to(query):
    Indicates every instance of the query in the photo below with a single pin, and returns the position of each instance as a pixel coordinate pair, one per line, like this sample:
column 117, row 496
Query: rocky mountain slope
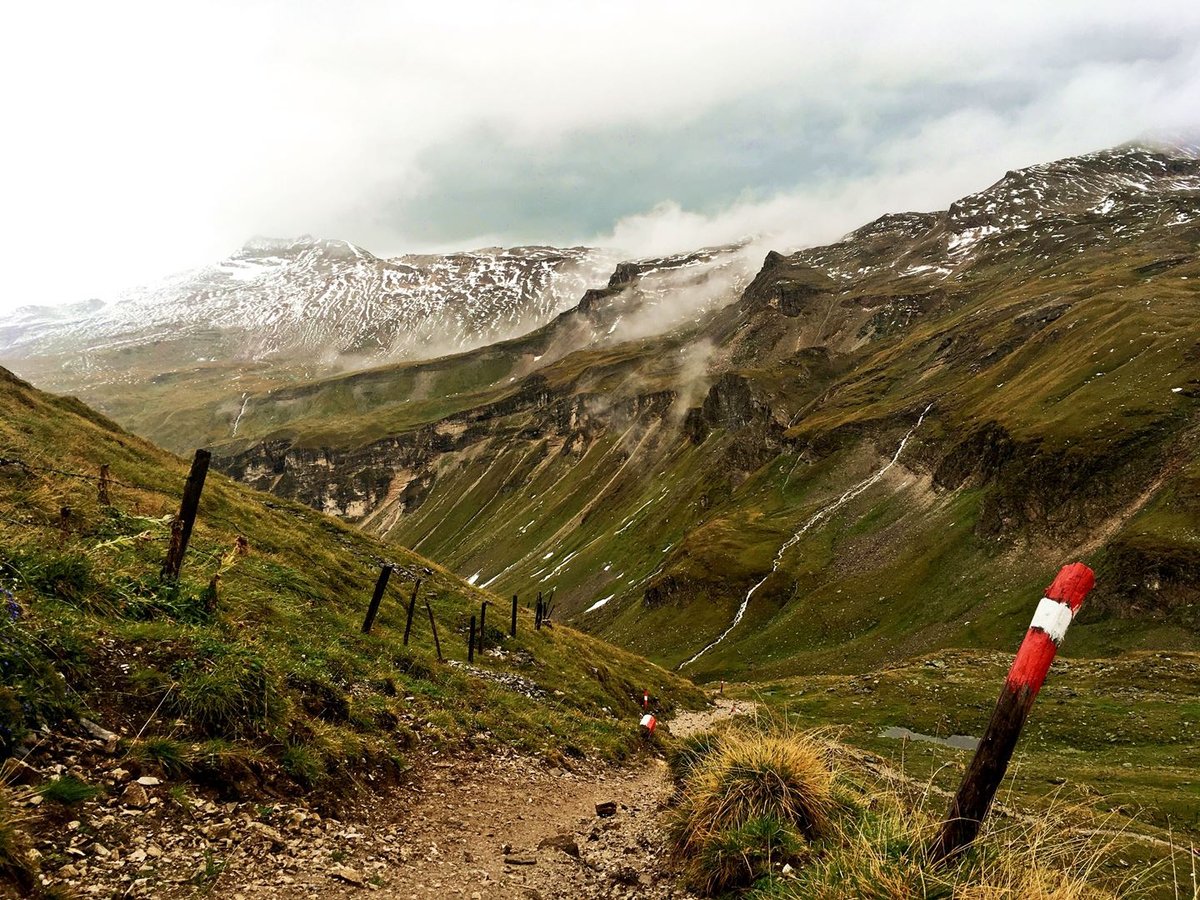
column 284, row 309
column 882, row 446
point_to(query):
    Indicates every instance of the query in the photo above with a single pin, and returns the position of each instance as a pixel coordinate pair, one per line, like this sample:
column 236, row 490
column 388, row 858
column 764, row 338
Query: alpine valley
column 825, row 460
column 838, row 478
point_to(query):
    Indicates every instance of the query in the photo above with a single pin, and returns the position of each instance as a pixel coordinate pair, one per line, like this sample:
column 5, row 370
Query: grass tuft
column 69, row 790
column 750, row 798
column 16, row 868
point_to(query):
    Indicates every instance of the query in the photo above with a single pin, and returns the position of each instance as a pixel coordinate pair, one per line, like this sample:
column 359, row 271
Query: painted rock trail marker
column 1046, row 631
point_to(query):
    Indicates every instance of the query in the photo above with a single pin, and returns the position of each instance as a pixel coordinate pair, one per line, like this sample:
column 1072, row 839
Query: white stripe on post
column 1053, row 617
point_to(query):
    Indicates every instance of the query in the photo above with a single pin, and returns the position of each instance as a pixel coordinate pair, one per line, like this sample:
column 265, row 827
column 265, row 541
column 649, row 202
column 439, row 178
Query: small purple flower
column 10, row 605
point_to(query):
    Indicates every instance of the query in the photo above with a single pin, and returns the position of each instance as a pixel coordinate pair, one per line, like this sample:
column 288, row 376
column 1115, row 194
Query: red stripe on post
column 1033, row 661
column 1071, row 585
column 1063, row 598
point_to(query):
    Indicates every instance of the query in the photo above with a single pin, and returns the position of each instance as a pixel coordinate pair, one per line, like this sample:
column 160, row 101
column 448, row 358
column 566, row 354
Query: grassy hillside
column 660, row 478
column 1042, row 331
column 262, row 672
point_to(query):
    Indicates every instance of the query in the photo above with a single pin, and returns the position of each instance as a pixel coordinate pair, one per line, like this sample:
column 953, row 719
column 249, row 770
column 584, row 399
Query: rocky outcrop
column 789, row 285
column 353, row 482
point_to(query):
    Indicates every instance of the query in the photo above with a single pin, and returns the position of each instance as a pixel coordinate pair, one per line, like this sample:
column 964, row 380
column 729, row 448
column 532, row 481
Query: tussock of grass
column 68, row 790
column 757, row 798
column 750, row 799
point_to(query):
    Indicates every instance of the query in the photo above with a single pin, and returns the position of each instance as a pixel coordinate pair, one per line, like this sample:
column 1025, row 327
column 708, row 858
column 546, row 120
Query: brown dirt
column 502, row 827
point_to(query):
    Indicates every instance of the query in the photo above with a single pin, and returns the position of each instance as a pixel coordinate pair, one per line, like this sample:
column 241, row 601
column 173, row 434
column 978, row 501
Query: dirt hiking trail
column 502, row 827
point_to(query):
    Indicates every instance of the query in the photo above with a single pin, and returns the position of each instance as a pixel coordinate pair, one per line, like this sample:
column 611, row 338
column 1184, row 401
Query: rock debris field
column 503, row 826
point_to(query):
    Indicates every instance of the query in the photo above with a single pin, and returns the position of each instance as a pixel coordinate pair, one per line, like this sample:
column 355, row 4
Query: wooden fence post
column 986, row 771
column 513, row 632
column 471, row 642
column 102, row 487
column 380, row 586
column 537, row 616
column 437, row 645
column 482, row 618
column 412, row 605
column 181, row 526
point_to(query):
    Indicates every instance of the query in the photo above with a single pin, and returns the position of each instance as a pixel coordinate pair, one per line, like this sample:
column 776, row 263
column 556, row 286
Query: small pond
column 957, row 741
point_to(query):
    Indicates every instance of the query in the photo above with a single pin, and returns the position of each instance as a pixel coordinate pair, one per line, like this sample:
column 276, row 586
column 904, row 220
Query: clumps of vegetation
column 768, row 812
column 228, row 690
column 16, row 867
column 31, row 691
column 750, row 799
column 68, row 790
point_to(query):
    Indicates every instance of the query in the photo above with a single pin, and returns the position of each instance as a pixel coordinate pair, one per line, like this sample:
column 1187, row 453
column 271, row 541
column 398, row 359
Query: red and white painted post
column 1054, row 614
column 645, row 699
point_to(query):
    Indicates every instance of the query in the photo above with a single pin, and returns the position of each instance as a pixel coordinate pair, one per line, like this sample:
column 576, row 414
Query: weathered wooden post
column 181, row 526
column 537, row 615
column 437, row 645
column 412, row 605
column 986, row 771
column 471, row 642
column 102, row 487
column 380, row 586
column 513, row 630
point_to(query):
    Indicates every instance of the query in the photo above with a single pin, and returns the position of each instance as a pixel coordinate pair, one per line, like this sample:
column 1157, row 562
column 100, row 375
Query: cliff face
column 934, row 411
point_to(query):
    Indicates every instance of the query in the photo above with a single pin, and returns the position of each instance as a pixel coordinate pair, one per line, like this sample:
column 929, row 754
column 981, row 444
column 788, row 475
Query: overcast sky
column 140, row 139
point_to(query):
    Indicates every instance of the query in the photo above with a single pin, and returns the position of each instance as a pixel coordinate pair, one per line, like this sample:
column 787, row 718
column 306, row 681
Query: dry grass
column 16, row 869
column 750, row 802
column 754, row 776
column 755, row 798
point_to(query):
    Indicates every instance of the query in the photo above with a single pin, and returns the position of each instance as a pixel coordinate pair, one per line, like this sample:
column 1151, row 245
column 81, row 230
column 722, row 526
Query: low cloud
column 147, row 137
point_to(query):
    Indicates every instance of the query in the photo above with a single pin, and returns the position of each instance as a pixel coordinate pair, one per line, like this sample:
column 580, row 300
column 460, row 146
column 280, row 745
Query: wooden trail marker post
column 380, row 586
column 437, row 645
column 102, row 487
column 181, row 526
column 471, row 642
column 482, row 618
column 513, row 632
column 1054, row 614
column 412, row 605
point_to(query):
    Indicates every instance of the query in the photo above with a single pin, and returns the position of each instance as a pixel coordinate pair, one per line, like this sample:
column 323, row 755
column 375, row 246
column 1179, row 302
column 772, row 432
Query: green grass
column 68, row 790
column 752, row 791
column 254, row 664
column 277, row 664
column 1111, row 739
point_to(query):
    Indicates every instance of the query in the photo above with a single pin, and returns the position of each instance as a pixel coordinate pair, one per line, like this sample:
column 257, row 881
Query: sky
column 141, row 139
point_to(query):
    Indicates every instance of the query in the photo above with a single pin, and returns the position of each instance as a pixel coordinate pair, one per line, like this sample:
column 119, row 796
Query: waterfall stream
column 818, row 516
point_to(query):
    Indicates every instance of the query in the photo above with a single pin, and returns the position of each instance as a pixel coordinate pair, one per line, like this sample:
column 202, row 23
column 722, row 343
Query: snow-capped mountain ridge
column 328, row 298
